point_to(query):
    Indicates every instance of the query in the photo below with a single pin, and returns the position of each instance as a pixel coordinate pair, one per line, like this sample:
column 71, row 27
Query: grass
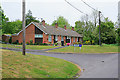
column 33, row 47
column 88, row 49
column 15, row 65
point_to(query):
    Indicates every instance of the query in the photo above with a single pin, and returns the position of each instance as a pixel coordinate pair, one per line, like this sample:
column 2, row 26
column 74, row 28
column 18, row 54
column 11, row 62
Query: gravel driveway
column 92, row 65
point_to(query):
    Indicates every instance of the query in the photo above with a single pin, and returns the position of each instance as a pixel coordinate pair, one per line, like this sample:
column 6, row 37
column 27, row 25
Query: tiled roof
column 57, row 31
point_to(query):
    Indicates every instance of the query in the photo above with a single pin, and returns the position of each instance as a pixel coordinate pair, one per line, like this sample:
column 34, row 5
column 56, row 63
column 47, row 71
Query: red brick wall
column 29, row 35
column 52, row 39
column 72, row 40
column 45, row 37
column 14, row 38
column 75, row 39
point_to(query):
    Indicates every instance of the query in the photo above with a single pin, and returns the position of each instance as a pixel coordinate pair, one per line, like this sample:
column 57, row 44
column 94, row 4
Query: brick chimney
column 43, row 22
column 73, row 28
column 56, row 25
column 65, row 27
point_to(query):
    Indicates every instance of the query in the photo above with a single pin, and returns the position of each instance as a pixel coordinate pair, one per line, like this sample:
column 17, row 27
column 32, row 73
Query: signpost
column 77, row 45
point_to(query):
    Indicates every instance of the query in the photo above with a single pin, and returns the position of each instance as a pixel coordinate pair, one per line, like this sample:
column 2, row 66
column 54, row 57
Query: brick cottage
column 41, row 33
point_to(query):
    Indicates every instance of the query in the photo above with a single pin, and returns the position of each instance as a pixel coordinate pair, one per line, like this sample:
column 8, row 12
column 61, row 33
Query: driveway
column 92, row 65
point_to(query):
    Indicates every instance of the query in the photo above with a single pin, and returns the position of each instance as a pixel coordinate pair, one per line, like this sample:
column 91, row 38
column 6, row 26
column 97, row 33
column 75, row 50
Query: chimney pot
column 73, row 28
column 43, row 22
column 56, row 25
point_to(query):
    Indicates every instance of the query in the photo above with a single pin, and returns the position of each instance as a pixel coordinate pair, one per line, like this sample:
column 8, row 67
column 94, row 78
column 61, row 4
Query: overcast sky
column 49, row 10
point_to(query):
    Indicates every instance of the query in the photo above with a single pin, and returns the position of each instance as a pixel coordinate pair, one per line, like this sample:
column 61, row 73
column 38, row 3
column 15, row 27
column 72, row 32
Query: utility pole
column 23, row 24
column 99, row 29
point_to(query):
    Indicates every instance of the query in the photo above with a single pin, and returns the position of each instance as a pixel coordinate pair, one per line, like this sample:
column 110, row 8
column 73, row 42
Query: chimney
column 43, row 22
column 73, row 28
column 56, row 25
column 65, row 27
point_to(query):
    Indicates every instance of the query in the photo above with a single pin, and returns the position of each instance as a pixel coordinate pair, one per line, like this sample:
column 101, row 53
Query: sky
column 50, row 10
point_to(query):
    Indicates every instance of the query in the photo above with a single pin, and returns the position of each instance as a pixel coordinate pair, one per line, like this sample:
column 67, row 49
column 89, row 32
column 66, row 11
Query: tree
column 29, row 18
column 85, row 29
column 3, row 21
column 12, row 27
column 61, row 22
column 94, row 17
column 107, row 32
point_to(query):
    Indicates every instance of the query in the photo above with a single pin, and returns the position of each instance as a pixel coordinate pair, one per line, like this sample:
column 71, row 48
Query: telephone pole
column 99, row 29
column 23, row 24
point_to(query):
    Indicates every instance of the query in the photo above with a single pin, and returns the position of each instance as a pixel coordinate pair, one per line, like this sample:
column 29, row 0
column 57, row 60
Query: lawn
column 15, row 65
column 33, row 47
column 88, row 49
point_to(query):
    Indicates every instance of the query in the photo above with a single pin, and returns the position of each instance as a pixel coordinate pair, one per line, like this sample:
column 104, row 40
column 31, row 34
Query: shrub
column 21, row 43
column 27, row 43
column 31, row 42
column 79, row 42
column 36, row 43
column 56, row 44
column 93, row 42
column 16, row 42
column 87, row 42
column 10, row 40
column 75, row 43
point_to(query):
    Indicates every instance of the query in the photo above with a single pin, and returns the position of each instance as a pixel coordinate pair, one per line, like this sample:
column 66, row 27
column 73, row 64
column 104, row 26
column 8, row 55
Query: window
column 56, row 38
column 62, row 38
column 68, row 37
column 77, row 39
column 73, row 39
column 38, row 36
column 49, row 38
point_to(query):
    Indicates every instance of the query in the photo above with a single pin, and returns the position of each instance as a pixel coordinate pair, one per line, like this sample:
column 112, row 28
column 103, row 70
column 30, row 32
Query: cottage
column 41, row 33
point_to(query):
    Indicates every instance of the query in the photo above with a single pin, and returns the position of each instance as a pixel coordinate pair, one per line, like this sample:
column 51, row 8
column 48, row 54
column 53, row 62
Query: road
column 92, row 65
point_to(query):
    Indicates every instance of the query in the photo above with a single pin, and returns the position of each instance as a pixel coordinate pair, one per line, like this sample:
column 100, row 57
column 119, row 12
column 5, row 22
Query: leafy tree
column 118, row 36
column 107, row 32
column 29, row 18
column 3, row 21
column 85, row 28
column 61, row 22
column 12, row 27
column 79, row 26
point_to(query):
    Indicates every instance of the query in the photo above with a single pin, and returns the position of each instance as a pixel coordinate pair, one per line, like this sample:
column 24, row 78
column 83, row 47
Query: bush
column 36, row 43
column 16, row 42
column 27, row 43
column 56, row 44
column 31, row 42
column 93, row 42
column 10, row 40
column 87, row 42
column 21, row 43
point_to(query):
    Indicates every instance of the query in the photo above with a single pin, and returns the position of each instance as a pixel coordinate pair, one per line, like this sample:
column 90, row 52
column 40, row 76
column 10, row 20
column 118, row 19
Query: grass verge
column 33, row 47
column 88, row 49
column 15, row 65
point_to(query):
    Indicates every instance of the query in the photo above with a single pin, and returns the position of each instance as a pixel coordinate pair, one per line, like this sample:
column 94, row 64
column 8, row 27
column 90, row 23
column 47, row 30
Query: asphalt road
column 92, row 65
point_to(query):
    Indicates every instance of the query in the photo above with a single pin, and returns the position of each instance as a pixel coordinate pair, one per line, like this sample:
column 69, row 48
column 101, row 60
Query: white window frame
column 38, row 35
column 56, row 38
column 77, row 39
column 73, row 39
column 49, row 38
column 62, row 38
